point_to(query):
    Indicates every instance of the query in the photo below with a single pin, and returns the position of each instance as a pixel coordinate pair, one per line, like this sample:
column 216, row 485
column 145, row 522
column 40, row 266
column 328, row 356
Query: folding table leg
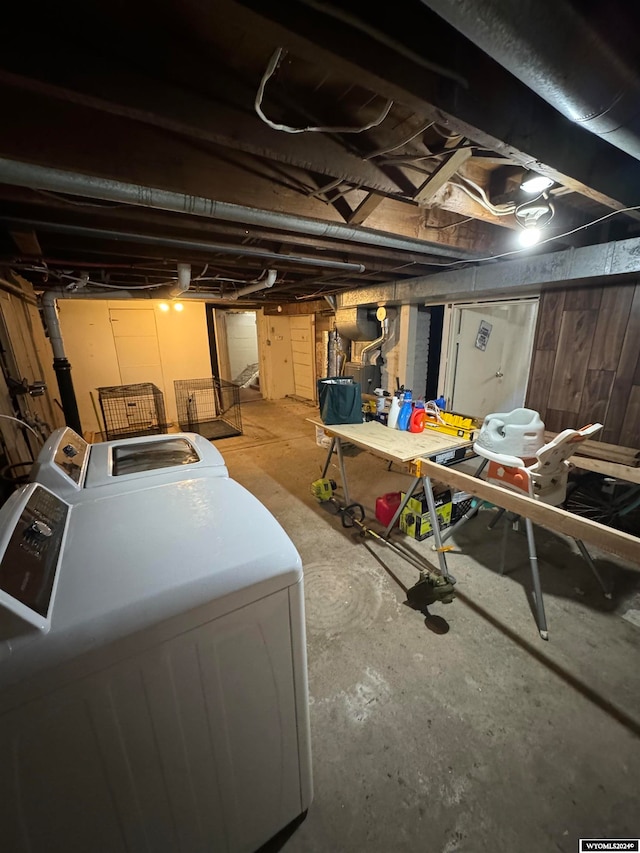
column 343, row 473
column 397, row 513
column 435, row 526
column 589, row 561
column 535, row 575
column 328, row 459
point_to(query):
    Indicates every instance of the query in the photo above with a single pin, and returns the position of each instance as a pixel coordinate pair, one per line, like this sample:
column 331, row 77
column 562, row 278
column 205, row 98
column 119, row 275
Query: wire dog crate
column 210, row 407
column 132, row 410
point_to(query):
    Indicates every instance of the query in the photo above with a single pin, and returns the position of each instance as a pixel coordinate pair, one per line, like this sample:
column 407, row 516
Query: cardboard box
column 415, row 520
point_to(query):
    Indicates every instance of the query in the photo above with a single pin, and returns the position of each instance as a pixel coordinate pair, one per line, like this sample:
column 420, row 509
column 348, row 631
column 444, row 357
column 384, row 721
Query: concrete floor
column 460, row 730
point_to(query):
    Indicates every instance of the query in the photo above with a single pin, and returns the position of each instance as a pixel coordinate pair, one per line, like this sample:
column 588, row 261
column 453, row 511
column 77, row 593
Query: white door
column 242, row 344
column 489, row 356
column 136, row 341
column 303, row 352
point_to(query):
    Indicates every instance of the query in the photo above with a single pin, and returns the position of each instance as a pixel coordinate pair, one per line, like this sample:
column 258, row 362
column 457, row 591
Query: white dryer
column 153, row 681
column 69, row 466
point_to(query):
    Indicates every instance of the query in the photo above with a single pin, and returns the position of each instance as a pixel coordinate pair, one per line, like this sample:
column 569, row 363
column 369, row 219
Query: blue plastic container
column 405, row 411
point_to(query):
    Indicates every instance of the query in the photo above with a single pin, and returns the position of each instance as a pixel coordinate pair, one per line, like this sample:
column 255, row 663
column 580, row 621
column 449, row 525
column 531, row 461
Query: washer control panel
column 70, row 455
column 28, row 565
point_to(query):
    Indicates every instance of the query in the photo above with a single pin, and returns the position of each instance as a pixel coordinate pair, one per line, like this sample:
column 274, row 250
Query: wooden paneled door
column 303, row 353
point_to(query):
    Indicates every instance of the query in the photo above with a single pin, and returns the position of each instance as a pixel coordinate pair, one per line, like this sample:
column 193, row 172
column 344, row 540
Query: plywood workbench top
column 393, row 444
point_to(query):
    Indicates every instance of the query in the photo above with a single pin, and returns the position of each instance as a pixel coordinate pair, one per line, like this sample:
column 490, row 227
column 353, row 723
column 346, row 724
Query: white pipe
column 269, row 281
column 50, row 313
column 184, row 280
column 152, row 293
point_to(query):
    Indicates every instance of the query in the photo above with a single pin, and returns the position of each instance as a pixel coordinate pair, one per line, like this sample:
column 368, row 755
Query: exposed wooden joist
column 27, row 242
column 182, row 112
column 541, row 136
column 118, row 148
column 364, row 209
column 441, row 174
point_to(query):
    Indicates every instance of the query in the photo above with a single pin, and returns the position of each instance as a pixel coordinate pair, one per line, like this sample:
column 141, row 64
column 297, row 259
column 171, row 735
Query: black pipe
column 67, row 394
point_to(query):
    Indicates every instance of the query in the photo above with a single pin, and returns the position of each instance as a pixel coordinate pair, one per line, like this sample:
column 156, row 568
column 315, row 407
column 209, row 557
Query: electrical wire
column 22, row 423
column 541, row 242
column 127, row 286
column 406, row 141
column 278, row 54
column 479, row 195
column 451, row 224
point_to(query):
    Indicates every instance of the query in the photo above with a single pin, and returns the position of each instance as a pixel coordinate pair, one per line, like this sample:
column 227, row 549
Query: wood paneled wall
column 586, row 361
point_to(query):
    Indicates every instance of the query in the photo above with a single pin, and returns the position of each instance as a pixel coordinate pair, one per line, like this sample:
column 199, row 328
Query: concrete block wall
column 407, row 350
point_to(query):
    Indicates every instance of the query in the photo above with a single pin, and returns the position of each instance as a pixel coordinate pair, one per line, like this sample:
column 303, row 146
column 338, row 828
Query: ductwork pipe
column 269, row 281
column 370, row 347
column 188, row 245
column 553, row 50
column 88, row 186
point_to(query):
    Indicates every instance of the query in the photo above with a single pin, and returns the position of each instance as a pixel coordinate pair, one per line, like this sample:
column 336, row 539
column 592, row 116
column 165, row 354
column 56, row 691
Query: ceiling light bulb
column 163, row 306
column 533, row 183
column 178, row 306
column 529, row 236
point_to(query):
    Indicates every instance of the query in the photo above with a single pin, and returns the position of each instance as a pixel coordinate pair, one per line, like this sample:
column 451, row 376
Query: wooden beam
column 553, row 518
column 178, row 111
column 482, row 111
column 453, row 198
column 364, row 209
column 27, row 242
column 609, row 469
column 607, row 452
column 442, row 173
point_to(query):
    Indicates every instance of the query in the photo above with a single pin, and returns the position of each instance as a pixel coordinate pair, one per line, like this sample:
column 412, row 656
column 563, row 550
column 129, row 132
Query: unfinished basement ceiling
column 132, row 138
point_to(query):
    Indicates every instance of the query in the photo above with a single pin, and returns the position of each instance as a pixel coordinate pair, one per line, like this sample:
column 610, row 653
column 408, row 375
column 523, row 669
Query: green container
column 340, row 400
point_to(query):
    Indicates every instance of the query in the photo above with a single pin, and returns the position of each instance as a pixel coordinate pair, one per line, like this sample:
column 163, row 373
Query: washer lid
column 177, row 455
column 182, row 553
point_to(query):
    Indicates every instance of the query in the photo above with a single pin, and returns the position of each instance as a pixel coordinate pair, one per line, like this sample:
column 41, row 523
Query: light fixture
column 534, row 183
column 163, row 306
column 529, row 236
column 532, row 216
column 178, row 306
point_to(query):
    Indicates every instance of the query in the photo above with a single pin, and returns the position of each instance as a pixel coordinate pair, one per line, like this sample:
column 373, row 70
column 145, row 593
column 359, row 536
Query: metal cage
column 132, row 410
column 210, row 407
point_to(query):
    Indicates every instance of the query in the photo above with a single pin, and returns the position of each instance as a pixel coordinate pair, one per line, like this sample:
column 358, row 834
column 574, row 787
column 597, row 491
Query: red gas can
column 386, row 505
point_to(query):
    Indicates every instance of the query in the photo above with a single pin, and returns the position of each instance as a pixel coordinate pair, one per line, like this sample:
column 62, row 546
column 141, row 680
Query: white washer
column 153, row 683
column 69, row 466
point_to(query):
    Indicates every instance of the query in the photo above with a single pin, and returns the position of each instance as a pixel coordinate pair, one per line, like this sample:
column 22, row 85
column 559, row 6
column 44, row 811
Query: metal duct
column 554, row 51
column 88, row 186
column 175, row 243
column 355, row 325
column 366, row 351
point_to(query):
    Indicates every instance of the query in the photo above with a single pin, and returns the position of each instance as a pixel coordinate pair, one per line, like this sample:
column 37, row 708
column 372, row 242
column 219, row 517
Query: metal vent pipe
column 89, row 186
column 550, row 47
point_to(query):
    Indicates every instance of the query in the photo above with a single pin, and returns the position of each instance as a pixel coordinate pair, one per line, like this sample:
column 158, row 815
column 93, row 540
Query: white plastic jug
column 394, row 411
